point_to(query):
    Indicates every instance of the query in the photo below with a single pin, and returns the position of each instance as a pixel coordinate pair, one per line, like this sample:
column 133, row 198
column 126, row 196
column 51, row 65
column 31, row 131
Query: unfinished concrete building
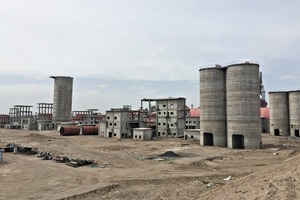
column 20, row 116
column 121, row 121
column 171, row 116
column 192, row 118
column 230, row 106
column 44, row 116
column 143, row 134
column 62, row 101
column 284, row 113
column 86, row 117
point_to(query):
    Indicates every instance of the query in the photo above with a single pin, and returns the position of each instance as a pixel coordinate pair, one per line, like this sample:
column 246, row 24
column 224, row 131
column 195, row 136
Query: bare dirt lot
column 129, row 169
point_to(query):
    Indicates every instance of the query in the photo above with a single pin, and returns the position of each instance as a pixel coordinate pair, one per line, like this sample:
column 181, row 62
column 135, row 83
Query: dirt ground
column 130, row 169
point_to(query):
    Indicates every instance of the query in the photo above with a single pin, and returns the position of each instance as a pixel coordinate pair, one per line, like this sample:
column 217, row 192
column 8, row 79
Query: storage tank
column 62, row 101
column 213, row 107
column 294, row 112
column 279, row 113
column 90, row 130
column 243, row 106
column 69, row 130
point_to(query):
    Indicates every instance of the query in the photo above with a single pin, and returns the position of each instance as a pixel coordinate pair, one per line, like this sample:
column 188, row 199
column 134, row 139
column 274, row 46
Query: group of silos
column 230, row 106
column 284, row 113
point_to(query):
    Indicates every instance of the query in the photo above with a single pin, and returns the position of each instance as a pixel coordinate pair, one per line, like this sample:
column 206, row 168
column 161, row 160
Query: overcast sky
column 120, row 51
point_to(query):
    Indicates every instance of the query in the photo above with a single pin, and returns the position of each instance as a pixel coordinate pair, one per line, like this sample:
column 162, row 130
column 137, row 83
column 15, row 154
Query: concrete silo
column 62, row 101
column 213, row 106
column 279, row 113
column 243, row 106
column 294, row 112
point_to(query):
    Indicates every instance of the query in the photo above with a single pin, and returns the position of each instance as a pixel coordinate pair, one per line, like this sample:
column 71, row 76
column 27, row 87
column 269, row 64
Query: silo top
column 61, row 77
column 295, row 91
column 278, row 92
column 225, row 66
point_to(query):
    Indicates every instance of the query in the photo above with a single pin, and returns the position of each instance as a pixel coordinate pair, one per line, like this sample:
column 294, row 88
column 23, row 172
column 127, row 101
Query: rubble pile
column 64, row 159
column 11, row 147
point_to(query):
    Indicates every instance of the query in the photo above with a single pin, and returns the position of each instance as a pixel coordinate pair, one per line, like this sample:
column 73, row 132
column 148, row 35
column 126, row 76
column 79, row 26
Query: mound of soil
column 169, row 154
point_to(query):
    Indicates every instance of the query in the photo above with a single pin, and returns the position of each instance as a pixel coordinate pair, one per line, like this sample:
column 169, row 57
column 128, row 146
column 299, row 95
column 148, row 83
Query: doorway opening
column 208, row 139
column 238, row 142
column 297, row 133
column 276, row 132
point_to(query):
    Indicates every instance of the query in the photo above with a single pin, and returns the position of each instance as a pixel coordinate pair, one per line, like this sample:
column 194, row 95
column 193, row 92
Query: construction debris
column 11, row 147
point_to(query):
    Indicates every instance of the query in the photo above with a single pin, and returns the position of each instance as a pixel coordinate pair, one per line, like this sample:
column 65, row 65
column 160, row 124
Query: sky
column 119, row 52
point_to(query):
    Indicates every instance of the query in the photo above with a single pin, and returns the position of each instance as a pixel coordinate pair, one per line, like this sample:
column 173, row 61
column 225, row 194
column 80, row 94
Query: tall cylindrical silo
column 243, row 106
column 294, row 112
column 62, row 101
column 279, row 113
column 213, row 107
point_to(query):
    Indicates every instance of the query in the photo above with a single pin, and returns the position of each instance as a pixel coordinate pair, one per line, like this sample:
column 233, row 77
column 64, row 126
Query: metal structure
column 62, row 101
column 243, row 106
column 69, row 130
column 294, row 112
column 213, row 106
column 279, row 113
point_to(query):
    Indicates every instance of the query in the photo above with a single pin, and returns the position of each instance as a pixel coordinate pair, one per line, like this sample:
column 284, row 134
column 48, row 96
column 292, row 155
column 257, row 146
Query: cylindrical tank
column 294, row 111
column 243, row 106
column 62, row 101
column 90, row 130
column 213, row 107
column 279, row 113
column 69, row 130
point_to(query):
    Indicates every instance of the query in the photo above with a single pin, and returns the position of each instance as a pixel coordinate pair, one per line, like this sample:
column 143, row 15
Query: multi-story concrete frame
column 171, row 116
column 18, row 112
column 121, row 121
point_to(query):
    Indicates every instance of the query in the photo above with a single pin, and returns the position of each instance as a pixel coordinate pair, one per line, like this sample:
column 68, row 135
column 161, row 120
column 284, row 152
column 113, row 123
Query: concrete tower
column 243, row 106
column 213, row 107
column 279, row 113
column 62, row 101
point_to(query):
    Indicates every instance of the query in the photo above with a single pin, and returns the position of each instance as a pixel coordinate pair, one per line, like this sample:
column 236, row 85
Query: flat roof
column 163, row 99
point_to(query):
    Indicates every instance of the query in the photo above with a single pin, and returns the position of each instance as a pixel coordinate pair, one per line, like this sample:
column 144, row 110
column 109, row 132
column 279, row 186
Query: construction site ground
column 164, row 168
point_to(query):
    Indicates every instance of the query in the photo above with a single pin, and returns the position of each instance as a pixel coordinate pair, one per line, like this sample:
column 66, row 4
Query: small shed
column 192, row 134
column 142, row 134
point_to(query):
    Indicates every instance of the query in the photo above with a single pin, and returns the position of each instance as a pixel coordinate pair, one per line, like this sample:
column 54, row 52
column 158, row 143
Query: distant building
column 4, row 119
column 142, row 134
column 193, row 118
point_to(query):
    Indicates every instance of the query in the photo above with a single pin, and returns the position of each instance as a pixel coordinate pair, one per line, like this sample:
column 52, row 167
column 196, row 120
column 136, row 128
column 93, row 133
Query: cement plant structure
column 230, row 104
column 62, row 101
column 284, row 113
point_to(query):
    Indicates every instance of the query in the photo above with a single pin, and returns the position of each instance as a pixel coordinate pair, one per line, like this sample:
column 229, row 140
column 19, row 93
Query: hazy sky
column 120, row 51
